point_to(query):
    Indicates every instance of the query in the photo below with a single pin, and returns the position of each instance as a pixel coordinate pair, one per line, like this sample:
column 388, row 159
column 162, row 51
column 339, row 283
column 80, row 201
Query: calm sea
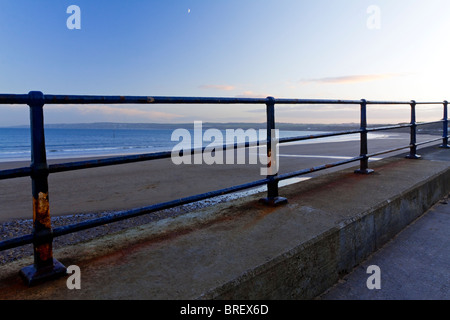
column 78, row 143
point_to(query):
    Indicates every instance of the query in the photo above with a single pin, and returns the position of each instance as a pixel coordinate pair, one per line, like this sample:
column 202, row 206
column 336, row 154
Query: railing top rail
column 87, row 99
column 331, row 101
column 97, row 99
column 14, row 98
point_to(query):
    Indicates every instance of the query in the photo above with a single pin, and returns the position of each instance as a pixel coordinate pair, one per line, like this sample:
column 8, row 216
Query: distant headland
column 431, row 128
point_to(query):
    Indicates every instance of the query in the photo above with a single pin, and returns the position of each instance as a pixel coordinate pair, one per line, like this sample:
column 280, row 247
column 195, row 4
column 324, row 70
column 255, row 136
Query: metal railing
column 46, row 267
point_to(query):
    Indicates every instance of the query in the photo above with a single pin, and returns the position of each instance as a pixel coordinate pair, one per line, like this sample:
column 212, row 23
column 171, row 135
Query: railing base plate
column 413, row 156
column 366, row 171
column 277, row 201
column 32, row 276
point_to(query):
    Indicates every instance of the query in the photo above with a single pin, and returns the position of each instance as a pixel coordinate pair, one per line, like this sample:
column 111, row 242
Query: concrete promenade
column 245, row 250
column 414, row 265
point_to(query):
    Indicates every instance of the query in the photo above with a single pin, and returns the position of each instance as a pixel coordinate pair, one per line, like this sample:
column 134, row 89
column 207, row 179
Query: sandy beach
column 89, row 193
column 133, row 185
column 127, row 186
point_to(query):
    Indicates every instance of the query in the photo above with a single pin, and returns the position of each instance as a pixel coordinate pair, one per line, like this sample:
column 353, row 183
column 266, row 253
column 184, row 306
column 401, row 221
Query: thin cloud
column 251, row 94
column 351, row 79
column 120, row 112
column 218, row 87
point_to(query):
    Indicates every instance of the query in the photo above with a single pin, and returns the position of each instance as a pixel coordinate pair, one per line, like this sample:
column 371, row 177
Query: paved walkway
column 415, row 265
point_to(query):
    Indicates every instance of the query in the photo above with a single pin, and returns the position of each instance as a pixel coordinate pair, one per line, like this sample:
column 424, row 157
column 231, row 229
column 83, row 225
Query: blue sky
column 247, row 48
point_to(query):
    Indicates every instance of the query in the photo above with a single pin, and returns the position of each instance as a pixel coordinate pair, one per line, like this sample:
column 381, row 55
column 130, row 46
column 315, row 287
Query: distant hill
column 435, row 128
column 206, row 125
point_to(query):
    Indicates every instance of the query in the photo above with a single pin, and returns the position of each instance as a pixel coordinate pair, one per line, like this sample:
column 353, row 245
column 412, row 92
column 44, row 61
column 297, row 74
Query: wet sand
column 91, row 193
column 127, row 186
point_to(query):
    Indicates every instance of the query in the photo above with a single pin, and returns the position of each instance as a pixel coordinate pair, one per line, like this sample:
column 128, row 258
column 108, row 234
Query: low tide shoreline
column 89, row 194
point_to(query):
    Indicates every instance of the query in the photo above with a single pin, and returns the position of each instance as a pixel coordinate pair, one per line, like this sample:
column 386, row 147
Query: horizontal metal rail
column 15, row 173
column 389, row 127
column 315, row 169
column 55, row 168
column 317, row 136
column 90, row 99
column 427, row 123
column 39, row 169
column 379, row 153
column 428, row 141
column 86, row 99
column 96, row 163
column 126, row 214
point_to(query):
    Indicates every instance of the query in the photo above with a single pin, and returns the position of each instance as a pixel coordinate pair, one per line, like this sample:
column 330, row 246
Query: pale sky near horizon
column 320, row 49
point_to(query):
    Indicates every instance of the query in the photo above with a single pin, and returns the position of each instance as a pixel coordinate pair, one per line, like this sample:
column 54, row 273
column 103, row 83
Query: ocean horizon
column 73, row 143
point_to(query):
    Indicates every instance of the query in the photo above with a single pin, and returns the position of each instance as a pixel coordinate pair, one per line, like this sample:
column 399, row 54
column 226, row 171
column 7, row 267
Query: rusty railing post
column 45, row 267
column 413, row 149
column 273, row 198
column 364, row 163
column 445, row 130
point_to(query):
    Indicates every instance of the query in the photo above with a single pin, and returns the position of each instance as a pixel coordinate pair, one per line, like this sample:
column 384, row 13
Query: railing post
column 364, row 166
column 445, row 130
column 413, row 149
column 273, row 198
column 45, row 267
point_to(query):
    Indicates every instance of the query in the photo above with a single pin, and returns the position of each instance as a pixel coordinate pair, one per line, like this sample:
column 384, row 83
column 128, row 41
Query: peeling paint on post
column 273, row 199
column 45, row 266
column 41, row 210
column 445, row 129
column 413, row 144
column 364, row 162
